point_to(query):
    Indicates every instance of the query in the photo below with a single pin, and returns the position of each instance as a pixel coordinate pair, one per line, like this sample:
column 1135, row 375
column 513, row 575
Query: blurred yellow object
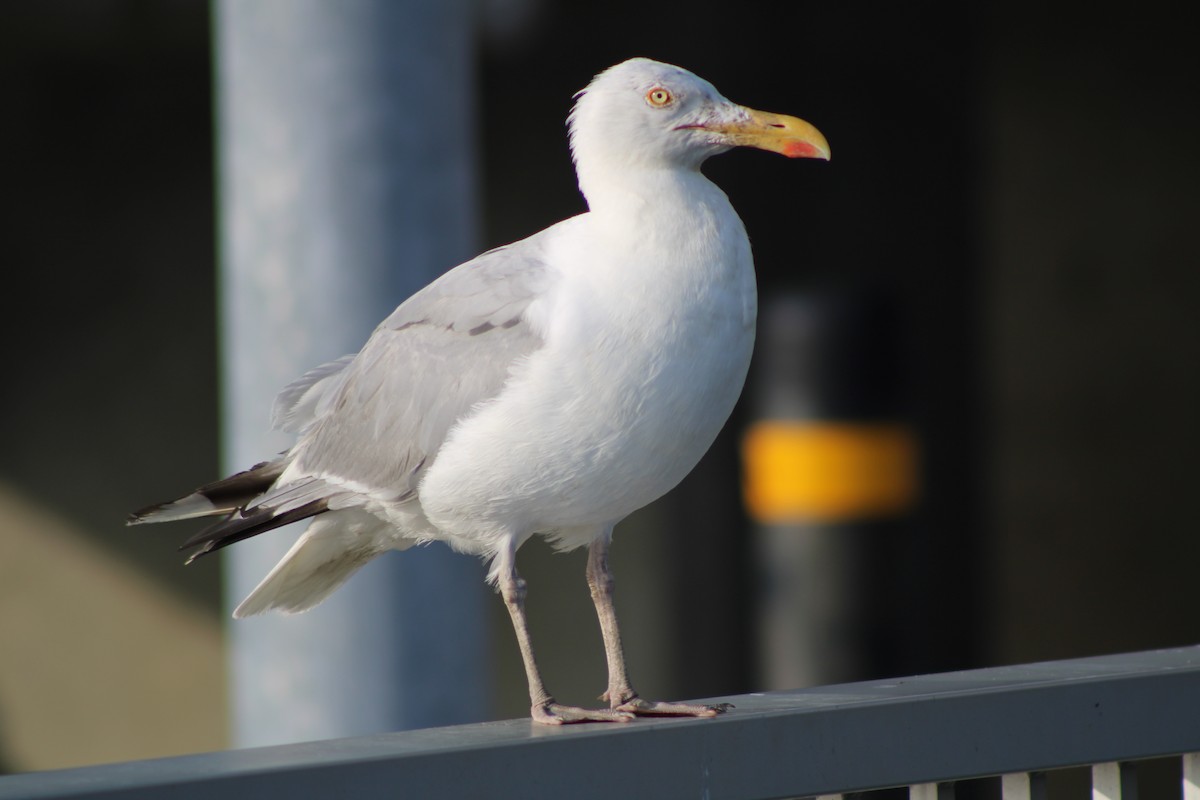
column 828, row 471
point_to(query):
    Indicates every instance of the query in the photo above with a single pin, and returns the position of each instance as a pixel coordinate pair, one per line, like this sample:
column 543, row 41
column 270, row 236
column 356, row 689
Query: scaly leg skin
column 620, row 695
column 543, row 709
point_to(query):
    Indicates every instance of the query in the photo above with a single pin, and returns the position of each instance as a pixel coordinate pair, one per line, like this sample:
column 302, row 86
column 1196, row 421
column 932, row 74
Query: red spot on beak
column 796, row 149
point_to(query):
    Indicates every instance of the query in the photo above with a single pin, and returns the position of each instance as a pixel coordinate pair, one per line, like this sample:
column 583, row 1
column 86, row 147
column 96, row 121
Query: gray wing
column 300, row 403
column 377, row 421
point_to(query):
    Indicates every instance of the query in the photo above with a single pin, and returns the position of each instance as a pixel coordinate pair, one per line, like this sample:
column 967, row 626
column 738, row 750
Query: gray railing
column 925, row 732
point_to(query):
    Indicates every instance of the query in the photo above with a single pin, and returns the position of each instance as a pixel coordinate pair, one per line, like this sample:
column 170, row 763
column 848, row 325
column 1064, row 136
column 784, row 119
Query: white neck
column 634, row 191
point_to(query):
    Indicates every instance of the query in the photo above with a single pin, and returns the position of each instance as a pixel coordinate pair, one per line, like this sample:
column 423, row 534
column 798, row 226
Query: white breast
column 648, row 337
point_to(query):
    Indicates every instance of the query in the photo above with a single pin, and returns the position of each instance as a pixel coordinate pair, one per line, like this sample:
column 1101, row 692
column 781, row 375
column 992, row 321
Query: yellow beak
column 778, row 133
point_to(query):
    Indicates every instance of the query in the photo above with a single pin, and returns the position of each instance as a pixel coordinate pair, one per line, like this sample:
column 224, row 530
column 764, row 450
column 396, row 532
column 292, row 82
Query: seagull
column 548, row 387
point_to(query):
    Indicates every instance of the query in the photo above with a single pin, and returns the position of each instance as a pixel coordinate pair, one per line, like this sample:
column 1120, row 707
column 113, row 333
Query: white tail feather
column 333, row 548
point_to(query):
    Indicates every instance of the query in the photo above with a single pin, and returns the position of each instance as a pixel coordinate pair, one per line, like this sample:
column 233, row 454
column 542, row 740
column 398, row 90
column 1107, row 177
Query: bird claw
column 651, row 708
column 555, row 714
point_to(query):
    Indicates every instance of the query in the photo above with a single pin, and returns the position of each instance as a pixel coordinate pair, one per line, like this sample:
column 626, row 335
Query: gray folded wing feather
column 379, row 421
column 299, row 404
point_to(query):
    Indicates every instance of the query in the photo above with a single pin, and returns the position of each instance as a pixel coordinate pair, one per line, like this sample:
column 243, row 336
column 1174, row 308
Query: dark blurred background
column 1008, row 237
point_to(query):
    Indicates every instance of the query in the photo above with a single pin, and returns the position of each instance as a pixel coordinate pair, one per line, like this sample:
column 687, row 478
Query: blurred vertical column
column 830, row 475
column 347, row 180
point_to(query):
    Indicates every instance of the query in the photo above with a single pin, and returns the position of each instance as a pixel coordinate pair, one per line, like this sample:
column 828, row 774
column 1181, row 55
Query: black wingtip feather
column 139, row 516
column 242, row 487
column 240, row 525
column 224, row 496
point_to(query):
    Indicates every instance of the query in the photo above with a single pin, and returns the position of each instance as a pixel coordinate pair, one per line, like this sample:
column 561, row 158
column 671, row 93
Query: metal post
column 1023, row 786
column 1191, row 776
column 830, row 468
column 346, row 182
column 1114, row 780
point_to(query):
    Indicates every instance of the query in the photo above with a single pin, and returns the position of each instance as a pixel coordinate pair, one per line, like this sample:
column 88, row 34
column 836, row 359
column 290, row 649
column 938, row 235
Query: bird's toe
column 556, row 714
column 653, row 708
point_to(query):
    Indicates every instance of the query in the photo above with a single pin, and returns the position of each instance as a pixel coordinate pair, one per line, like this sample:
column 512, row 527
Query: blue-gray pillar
column 346, row 182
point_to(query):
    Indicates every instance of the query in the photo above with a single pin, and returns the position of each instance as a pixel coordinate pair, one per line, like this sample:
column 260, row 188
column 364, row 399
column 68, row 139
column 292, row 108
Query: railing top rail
column 798, row 743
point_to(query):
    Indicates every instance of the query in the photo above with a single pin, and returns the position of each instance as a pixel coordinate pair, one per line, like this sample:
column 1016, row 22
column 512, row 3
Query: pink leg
column 543, row 708
column 620, row 694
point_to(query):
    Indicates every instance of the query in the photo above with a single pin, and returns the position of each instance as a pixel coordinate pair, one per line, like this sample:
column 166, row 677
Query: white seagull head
column 643, row 114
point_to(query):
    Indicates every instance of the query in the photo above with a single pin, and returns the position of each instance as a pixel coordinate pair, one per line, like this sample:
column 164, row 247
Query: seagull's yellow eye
column 659, row 97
